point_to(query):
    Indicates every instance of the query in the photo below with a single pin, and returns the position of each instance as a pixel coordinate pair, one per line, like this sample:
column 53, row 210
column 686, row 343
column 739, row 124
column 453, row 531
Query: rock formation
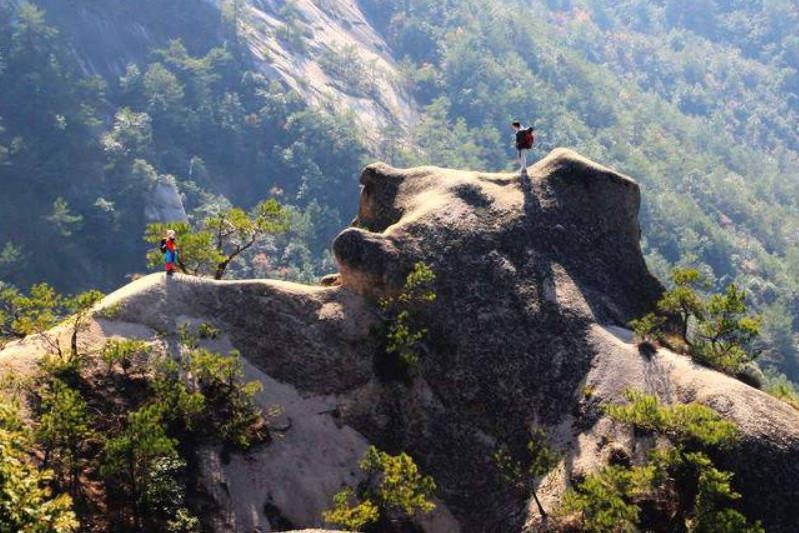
column 164, row 203
column 536, row 278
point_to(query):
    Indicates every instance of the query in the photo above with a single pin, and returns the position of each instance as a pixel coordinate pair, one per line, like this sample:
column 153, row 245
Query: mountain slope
column 327, row 53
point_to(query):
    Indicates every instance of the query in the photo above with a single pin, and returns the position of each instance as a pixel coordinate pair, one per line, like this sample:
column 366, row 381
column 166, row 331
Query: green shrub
column 394, row 486
column 184, row 522
column 182, row 408
column 187, row 337
column 22, row 315
column 679, row 484
column 207, row 331
column 124, row 353
column 350, row 513
column 64, row 430
column 132, row 458
column 41, row 310
column 723, row 333
column 648, row 327
column 230, row 402
column 164, row 494
column 724, row 337
column 715, row 493
column 403, row 334
column 683, row 299
column 606, row 499
column 681, row 423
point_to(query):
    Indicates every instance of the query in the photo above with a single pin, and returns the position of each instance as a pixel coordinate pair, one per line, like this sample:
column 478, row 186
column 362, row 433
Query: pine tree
column 27, row 504
column 132, row 457
column 64, row 430
column 525, row 472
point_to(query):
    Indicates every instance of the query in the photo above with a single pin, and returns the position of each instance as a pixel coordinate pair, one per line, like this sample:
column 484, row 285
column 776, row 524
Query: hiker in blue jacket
column 171, row 253
column 523, row 140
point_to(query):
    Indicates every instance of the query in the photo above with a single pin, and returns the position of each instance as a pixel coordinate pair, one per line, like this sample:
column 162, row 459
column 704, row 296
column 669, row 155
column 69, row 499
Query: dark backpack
column 529, row 138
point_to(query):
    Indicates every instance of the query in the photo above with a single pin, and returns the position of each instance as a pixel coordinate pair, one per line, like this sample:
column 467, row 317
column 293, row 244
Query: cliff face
column 286, row 41
column 535, row 276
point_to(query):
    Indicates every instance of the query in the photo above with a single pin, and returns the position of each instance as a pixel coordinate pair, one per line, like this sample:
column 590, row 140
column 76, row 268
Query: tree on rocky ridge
column 220, row 239
column 678, row 488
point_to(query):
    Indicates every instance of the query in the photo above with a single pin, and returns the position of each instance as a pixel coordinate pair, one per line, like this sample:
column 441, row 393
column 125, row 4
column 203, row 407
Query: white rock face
column 164, row 203
column 329, row 27
column 295, row 475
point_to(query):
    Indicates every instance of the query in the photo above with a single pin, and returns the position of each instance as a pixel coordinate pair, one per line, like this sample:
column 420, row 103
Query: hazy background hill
column 234, row 101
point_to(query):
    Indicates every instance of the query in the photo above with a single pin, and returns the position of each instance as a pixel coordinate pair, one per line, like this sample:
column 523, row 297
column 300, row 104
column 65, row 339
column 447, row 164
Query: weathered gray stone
column 163, row 203
column 536, row 278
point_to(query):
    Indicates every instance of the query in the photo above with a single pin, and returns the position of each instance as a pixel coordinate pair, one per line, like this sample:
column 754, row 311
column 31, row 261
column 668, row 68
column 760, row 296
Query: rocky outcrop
column 536, row 278
column 163, row 202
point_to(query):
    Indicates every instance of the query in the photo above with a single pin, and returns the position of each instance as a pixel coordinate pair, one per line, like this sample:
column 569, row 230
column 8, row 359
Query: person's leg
column 170, row 268
column 523, row 160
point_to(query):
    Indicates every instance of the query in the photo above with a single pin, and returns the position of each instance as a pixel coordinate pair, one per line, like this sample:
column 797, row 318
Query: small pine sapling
column 524, row 472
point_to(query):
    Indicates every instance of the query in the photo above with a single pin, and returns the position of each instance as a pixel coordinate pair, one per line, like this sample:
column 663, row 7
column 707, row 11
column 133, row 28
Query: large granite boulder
column 536, row 278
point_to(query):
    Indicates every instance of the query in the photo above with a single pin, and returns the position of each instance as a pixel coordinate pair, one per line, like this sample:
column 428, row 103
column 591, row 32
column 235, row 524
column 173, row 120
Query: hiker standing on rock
column 523, row 140
column 169, row 248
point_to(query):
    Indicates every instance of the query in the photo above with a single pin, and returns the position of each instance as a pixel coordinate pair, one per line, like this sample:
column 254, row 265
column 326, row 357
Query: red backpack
column 529, row 138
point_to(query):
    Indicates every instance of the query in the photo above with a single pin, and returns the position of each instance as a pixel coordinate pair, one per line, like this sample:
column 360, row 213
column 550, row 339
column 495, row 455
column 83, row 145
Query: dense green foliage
column 350, row 512
column 134, row 457
column 128, row 414
column 606, row 499
column 22, row 315
column 678, row 488
column 123, row 353
column 77, row 177
column 39, row 311
column 199, row 395
column 27, row 504
column 205, row 394
column 230, row 401
column 64, row 430
column 394, row 490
